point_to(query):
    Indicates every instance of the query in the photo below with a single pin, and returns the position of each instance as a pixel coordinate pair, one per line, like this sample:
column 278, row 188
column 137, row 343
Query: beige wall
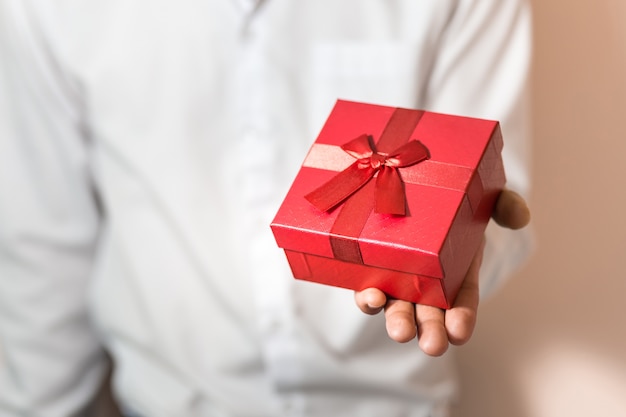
column 552, row 343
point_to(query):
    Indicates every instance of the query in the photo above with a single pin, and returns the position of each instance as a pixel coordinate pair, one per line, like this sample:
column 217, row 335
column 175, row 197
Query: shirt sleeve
column 481, row 70
column 50, row 361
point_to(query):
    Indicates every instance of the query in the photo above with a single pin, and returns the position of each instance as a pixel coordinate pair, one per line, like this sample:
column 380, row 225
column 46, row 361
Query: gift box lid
column 449, row 196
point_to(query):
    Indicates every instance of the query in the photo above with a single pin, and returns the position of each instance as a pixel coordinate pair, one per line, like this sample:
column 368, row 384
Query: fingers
column 460, row 320
column 432, row 335
column 435, row 328
column 399, row 315
column 400, row 320
column 371, row 300
column 403, row 319
column 511, row 210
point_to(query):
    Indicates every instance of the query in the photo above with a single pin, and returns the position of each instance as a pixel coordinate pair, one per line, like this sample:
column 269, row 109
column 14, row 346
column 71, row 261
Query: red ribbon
column 359, row 195
column 389, row 191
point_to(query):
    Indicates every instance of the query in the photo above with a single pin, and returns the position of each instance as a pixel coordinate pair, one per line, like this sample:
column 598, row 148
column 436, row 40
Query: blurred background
column 552, row 342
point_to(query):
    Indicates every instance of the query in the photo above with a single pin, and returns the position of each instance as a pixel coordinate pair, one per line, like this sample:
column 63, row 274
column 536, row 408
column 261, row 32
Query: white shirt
column 145, row 148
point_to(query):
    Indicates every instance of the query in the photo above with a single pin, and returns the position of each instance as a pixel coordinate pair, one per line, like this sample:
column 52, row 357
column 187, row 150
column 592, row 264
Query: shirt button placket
column 258, row 144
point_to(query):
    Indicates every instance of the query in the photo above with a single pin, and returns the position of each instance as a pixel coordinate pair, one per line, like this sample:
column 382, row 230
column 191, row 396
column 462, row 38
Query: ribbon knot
column 389, row 196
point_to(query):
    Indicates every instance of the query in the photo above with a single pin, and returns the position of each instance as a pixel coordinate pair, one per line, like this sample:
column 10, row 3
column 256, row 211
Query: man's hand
column 436, row 328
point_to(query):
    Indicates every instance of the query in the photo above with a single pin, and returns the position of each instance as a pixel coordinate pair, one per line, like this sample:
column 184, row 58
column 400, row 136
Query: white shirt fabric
column 145, row 147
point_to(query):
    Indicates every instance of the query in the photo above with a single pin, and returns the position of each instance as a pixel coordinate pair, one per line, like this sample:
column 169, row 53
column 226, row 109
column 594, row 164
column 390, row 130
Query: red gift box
column 442, row 172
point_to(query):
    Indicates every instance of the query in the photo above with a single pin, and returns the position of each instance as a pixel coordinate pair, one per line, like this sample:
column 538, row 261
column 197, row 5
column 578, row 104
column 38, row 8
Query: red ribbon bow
column 389, row 196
